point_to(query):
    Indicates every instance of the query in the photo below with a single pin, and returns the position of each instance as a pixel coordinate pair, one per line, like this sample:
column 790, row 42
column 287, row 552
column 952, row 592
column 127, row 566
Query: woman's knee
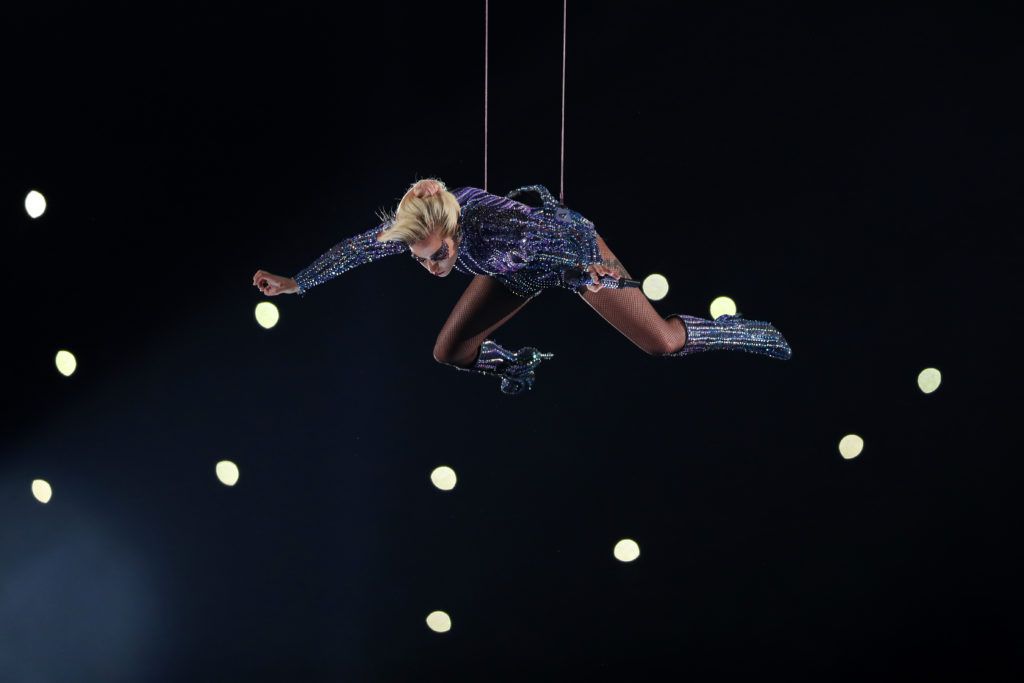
column 652, row 346
column 659, row 347
column 671, row 341
column 443, row 353
column 453, row 354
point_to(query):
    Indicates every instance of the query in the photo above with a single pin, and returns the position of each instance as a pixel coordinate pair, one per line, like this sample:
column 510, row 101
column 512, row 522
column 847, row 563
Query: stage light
column 439, row 622
column 35, row 204
column 850, row 446
column 227, row 472
column 66, row 363
column 929, row 380
column 267, row 314
column 626, row 550
column 722, row 305
column 655, row 287
column 443, row 478
column 41, row 490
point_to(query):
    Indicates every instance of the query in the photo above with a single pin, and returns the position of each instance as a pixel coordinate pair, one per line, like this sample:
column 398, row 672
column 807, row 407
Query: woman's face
column 436, row 255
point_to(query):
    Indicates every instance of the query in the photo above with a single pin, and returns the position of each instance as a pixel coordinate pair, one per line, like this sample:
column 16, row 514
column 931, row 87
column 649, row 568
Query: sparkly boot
column 514, row 367
column 732, row 333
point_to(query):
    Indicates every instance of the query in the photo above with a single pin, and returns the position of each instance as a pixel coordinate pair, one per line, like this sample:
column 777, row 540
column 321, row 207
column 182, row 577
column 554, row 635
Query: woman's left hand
column 596, row 270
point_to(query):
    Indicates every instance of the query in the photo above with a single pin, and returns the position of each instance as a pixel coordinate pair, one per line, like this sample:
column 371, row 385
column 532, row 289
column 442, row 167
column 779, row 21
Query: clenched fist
column 610, row 267
column 272, row 285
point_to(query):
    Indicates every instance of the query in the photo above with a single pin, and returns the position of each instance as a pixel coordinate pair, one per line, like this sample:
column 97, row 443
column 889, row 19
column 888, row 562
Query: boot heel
column 515, row 368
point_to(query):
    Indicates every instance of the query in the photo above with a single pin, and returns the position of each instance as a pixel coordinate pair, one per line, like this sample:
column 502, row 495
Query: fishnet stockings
column 486, row 305
column 630, row 312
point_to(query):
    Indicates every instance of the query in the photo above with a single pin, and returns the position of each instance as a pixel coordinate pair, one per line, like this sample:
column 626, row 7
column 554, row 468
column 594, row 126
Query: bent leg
column 484, row 307
column 629, row 311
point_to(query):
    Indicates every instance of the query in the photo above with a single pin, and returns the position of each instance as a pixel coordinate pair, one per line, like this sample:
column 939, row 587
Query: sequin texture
column 515, row 368
column 733, row 333
column 526, row 248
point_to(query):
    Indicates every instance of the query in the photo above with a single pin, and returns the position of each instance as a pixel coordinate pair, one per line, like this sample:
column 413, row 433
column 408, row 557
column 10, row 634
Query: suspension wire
column 561, row 186
column 565, row 13
column 486, row 33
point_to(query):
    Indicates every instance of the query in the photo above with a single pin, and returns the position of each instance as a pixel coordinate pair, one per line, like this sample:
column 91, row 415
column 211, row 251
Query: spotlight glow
column 655, row 287
column 929, row 380
column 227, row 472
column 42, row 491
column 267, row 314
column 439, row 622
column 850, row 446
column 626, row 550
column 66, row 363
column 722, row 305
column 35, row 204
column 443, row 478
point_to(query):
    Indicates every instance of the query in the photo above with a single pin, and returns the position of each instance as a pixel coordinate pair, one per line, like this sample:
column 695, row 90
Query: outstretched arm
column 346, row 255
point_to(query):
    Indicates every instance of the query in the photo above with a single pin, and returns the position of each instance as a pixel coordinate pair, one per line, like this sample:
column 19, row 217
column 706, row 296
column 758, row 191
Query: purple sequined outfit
column 525, row 248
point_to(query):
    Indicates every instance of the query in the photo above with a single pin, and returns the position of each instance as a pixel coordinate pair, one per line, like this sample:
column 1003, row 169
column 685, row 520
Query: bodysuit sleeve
column 346, row 255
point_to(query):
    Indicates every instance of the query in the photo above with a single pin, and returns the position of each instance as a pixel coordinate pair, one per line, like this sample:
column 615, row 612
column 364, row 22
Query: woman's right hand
column 272, row 285
column 425, row 188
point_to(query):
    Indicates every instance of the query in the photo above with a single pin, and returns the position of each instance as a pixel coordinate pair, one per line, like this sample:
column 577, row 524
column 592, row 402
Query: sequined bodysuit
column 526, row 248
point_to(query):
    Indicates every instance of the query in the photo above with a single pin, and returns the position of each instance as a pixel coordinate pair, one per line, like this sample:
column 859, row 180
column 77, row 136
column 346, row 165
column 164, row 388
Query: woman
column 514, row 251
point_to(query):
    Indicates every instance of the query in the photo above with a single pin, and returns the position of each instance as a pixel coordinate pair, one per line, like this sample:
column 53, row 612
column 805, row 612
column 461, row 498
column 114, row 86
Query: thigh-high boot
column 732, row 333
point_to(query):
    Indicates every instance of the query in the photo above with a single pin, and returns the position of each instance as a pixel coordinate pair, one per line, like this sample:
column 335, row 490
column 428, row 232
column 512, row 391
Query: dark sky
column 849, row 172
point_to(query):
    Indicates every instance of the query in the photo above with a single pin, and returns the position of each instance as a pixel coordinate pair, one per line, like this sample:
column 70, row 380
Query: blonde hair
column 416, row 218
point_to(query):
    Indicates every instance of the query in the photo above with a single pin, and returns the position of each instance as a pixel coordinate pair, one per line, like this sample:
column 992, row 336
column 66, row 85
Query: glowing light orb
column 66, row 363
column 929, row 380
column 722, row 305
column 626, row 550
column 42, row 491
column 655, row 287
column 439, row 622
column 443, row 478
column 267, row 314
column 35, row 204
column 850, row 446
column 227, row 472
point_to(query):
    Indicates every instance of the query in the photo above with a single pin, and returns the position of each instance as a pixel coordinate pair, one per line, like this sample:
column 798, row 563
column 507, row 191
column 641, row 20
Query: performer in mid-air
column 515, row 250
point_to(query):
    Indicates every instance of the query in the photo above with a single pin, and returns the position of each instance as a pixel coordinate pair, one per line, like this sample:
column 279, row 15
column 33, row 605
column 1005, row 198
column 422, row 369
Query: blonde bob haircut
column 416, row 218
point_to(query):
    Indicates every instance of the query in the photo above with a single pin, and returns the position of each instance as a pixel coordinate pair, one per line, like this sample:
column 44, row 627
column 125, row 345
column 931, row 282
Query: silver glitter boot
column 732, row 333
column 514, row 367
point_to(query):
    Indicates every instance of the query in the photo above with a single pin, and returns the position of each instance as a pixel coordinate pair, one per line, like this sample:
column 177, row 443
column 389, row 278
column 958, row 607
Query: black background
column 849, row 172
